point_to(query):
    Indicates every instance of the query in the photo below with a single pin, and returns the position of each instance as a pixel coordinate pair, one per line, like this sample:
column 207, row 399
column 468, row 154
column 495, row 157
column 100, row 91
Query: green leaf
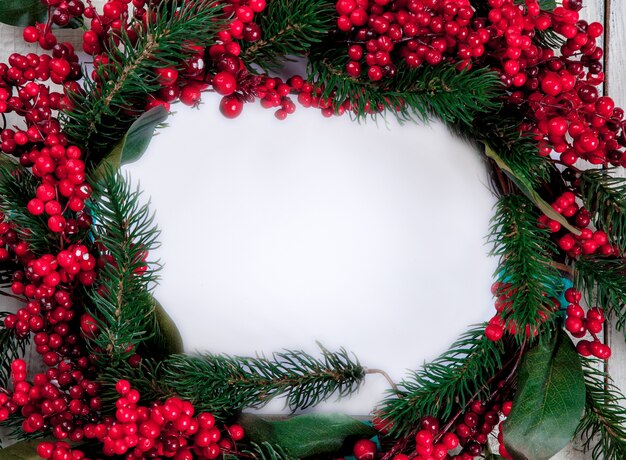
column 23, row 450
column 22, row 12
column 135, row 141
column 549, row 403
column 306, row 435
column 530, row 192
column 171, row 342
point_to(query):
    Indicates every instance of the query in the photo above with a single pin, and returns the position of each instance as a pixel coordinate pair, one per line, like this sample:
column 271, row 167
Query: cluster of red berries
column 63, row 187
column 429, row 444
column 588, row 241
column 167, row 430
column 414, row 32
column 506, row 410
column 501, row 323
column 61, row 12
column 579, row 325
column 58, row 401
column 474, row 427
column 44, row 283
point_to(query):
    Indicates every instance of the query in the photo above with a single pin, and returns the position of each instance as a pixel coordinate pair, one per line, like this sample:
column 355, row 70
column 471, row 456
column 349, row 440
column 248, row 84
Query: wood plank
column 593, row 10
column 615, row 56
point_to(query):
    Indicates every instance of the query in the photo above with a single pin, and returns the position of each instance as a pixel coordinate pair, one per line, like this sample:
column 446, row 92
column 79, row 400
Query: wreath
column 520, row 78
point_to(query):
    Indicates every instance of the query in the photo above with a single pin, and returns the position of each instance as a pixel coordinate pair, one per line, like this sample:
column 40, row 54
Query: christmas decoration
column 520, row 78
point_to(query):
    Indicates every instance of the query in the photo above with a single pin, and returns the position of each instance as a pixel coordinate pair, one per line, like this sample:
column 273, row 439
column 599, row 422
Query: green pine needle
column 604, row 419
column 290, row 28
column 263, row 451
column 604, row 195
column 446, row 384
column 223, row 384
column 415, row 94
column 121, row 301
column 604, row 283
column 100, row 117
column 525, row 254
column 501, row 131
column 11, row 348
column 17, row 187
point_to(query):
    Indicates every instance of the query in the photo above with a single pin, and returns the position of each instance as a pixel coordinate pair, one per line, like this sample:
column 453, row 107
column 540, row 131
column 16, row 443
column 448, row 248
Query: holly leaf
column 305, row 435
column 530, row 192
column 134, row 143
column 23, row 12
column 549, row 403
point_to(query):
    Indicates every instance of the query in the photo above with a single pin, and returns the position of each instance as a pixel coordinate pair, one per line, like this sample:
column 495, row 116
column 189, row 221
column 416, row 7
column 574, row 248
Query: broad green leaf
column 22, row 12
column 306, row 435
column 23, row 450
column 135, row 141
column 530, row 192
column 549, row 403
column 171, row 341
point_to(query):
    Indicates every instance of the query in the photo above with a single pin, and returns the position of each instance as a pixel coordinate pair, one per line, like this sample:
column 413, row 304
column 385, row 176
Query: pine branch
column 17, row 187
column 100, row 117
column 604, row 417
column 501, row 131
column 604, row 282
column 263, row 451
column 414, row 94
column 604, row 195
column 223, row 384
column 121, row 301
column 290, row 28
column 525, row 268
column 446, row 384
column 11, row 348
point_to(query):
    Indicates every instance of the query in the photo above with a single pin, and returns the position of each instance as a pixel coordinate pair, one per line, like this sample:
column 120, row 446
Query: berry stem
column 384, row 374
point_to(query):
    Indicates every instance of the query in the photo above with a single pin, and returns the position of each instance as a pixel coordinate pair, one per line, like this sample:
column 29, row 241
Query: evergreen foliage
column 17, row 187
column 224, row 384
column 604, row 195
column 447, row 384
column 605, row 416
column 11, row 348
column 290, row 28
column 604, row 283
column 121, row 301
column 100, row 116
column 525, row 269
column 263, row 451
column 414, row 94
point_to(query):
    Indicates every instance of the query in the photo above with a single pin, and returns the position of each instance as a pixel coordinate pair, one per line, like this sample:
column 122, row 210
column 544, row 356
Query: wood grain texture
column 615, row 55
column 594, row 10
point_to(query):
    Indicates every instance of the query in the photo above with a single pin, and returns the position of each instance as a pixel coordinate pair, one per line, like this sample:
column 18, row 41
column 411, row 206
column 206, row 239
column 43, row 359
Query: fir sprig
column 225, row 384
column 414, row 94
column 121, row 301
column 263, row 451
column 525, row 267
column 17, row 187
column 604, row 283
column 604, row 419
column 501, row 131
column 101, row 115
column 604, row 194
column 11, row 348
column 446, row 384
column 290, row 28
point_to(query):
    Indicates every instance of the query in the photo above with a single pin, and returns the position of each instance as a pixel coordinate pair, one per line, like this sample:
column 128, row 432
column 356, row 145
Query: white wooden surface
column 10, row 41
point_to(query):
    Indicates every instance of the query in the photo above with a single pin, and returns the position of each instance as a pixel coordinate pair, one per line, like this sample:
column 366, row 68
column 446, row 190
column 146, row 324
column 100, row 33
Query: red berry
column 231, row 106
column 364, row 449
column 224, row 83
